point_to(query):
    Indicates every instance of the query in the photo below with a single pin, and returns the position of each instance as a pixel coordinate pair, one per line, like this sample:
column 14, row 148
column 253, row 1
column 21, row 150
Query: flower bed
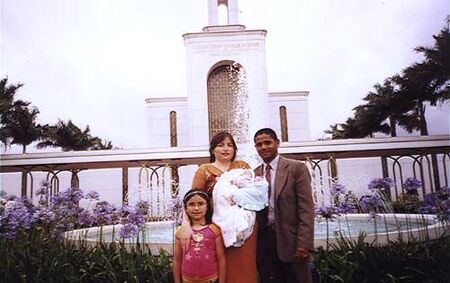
column 32, row 246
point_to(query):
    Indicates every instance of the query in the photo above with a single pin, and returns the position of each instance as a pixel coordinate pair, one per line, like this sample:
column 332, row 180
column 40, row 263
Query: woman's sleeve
column 199, row 181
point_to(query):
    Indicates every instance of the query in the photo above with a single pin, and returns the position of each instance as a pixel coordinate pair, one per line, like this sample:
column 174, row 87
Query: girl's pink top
column 200, row 261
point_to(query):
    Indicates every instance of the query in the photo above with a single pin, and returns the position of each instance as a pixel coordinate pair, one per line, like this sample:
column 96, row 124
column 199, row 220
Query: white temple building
column 226, row 89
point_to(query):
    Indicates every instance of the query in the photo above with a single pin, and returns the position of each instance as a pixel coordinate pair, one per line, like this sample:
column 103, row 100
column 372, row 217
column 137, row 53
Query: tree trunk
column 423, row 121
column 24, row 148
column 393, row 124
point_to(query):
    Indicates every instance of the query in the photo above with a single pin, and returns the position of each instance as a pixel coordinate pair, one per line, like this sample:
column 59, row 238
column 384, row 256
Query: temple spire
column 231, row 12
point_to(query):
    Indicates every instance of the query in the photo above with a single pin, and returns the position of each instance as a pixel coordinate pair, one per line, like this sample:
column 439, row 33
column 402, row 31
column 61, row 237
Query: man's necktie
column 271, row 212
column 269, row 178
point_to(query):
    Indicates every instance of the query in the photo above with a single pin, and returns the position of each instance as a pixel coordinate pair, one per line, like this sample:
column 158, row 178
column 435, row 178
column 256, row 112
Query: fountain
column 382, row 229
column 159, row 235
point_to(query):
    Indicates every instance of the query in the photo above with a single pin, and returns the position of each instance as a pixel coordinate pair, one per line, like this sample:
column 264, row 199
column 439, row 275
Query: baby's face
column 245, row 179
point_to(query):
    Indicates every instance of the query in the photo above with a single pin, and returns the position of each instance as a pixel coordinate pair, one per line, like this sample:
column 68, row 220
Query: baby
column 236, row 196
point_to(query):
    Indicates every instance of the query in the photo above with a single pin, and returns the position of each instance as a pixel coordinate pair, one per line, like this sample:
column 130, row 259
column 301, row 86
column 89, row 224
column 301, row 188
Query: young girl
column 204, row 261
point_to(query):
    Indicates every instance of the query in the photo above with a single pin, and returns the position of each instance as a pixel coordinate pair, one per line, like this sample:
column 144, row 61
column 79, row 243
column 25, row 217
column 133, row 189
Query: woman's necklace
column 222, row 167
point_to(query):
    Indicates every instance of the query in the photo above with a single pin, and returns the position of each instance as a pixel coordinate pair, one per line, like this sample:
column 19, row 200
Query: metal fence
column 160, row 174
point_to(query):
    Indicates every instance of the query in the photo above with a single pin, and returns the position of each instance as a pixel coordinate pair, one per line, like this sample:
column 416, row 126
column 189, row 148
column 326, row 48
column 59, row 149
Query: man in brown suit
column 286, row 227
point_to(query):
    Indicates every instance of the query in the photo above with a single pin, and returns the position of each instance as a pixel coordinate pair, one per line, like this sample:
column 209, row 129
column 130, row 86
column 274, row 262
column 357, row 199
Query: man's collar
column 274, row 162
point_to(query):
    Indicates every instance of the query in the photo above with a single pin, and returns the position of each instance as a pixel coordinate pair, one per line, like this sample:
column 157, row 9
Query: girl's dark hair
column 218, row 138
column 204, row 195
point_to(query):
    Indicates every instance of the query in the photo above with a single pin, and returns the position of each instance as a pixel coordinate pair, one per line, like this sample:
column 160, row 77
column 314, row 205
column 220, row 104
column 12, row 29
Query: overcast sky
column 96, row 62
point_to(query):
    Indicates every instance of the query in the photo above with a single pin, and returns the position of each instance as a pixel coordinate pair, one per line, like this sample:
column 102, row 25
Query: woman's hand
column 185, row 233
column 230, row 200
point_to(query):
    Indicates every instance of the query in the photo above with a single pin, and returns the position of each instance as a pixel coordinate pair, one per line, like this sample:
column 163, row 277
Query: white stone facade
column 217, row 46
column 159, row 110
column 296, row 104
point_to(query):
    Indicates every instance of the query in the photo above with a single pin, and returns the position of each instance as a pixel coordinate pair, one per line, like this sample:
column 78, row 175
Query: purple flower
column 44, row 216
column 411, row 186
column 65, row 206
column 84, row 219
column 43, row 193
column 345, row 207
column 174, row 209
column 142, row 207
column 44, row 189
column 380, row 184
column 92, row 195
column 128, row 230
column 132, row 220
column 69, row 198
column 136, row 218
column 444, row 193
column 17, row 215
column 337, row 189
column 64, row 213
column 437, row 203
column 327, row 212
column 105, row 214
column 371, row 203
column 175, row 206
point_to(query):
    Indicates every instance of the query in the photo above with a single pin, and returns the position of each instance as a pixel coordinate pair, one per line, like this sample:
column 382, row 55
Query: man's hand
column 302, row 255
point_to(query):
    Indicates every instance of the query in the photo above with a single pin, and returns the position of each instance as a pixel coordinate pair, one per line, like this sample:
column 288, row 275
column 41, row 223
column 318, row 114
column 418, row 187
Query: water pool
column 383, row 228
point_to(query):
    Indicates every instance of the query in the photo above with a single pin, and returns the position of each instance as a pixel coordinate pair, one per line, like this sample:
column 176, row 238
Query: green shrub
column 33, row 257
column 356, row 261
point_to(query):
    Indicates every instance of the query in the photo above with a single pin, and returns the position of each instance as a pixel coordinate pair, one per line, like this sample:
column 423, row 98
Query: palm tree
column 68, row 136
column 8, row 104
column 20, row 123
column 414, row 91
column 437, row 64
column 7, row 93
column 425, row 82
column 384, row 103
column 99, row 144
column 350, row 129
column 402, row 99
column 335, row 131
column 369, row 119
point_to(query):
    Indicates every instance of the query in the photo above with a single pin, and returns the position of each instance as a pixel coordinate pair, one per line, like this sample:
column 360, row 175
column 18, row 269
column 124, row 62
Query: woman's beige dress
column 241, row 262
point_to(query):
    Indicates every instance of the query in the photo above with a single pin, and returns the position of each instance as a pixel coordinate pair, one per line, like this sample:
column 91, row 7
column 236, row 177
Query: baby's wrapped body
column 236, row 196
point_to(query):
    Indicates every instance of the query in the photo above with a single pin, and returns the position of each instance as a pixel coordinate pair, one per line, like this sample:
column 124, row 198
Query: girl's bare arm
column 221, row 262
column 176, row 264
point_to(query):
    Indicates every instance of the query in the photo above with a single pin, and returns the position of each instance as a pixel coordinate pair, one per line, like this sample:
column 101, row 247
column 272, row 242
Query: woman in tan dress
column 240, row 261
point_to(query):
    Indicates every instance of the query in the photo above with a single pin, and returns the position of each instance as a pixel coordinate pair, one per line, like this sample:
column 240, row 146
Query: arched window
column 283, row 124
column 223, row 13
column 227, row 101
column 173, row 128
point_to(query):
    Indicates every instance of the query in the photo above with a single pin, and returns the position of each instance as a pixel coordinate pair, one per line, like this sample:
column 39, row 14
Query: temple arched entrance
column 228, row 100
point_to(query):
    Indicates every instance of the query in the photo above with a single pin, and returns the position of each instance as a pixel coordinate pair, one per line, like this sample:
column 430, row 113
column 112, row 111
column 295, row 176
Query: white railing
column 135, row 172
